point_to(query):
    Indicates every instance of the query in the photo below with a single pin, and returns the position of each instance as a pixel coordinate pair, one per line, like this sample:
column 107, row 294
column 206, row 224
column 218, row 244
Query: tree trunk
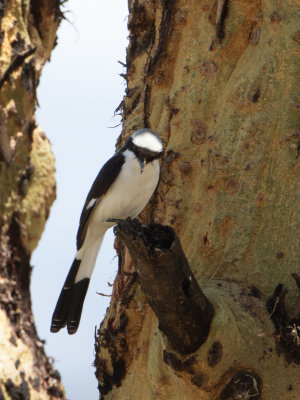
column 217, row 80
column 27, row 190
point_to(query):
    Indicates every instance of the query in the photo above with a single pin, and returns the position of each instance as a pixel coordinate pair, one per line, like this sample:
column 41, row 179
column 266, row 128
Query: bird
column 121, row 190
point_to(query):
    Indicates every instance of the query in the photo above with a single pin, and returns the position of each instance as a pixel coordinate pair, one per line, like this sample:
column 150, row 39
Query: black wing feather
column 102, row 183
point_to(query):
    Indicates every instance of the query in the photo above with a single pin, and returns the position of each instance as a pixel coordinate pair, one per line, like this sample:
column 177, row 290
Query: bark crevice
column 287, row 326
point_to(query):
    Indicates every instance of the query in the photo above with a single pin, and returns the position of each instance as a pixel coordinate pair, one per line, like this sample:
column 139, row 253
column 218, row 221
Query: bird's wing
column 102, row 183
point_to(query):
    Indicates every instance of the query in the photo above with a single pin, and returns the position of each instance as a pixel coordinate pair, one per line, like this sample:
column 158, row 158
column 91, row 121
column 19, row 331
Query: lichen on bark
column 27, row 191
column 220, row 88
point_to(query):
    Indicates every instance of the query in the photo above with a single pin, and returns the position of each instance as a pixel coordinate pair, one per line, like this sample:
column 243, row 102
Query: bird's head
column 146, row 145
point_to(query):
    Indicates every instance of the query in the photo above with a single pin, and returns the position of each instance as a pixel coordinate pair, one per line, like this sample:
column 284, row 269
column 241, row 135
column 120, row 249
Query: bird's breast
column 130, row 192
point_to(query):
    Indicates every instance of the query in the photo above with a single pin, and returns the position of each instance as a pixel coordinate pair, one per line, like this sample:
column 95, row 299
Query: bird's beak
column 142, row 165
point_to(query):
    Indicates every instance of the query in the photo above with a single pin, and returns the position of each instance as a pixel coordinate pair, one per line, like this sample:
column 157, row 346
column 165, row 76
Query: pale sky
column 79, row 90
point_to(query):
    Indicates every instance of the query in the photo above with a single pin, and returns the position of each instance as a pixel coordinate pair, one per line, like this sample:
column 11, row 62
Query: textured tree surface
column 217, row 80
column 27, row 190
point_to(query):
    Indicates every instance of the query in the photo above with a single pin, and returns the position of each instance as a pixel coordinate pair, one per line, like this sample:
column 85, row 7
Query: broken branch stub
column 183, row 311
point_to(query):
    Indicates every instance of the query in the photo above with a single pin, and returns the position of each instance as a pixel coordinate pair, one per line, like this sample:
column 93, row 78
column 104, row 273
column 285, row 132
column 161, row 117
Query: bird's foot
column 128, row 227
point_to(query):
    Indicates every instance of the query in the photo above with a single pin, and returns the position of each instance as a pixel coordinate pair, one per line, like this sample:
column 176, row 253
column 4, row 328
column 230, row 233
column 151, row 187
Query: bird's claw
column 128, row 226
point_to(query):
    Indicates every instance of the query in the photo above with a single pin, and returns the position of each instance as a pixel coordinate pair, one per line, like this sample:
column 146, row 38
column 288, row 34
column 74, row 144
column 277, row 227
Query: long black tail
column 70, row 302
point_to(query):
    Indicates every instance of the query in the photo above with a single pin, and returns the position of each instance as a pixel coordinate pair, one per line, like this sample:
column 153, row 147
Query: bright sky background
column 79, row 90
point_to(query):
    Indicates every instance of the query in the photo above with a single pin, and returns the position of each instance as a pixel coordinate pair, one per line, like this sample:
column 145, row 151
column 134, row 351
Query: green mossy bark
column 226, row 109
column 27, row 191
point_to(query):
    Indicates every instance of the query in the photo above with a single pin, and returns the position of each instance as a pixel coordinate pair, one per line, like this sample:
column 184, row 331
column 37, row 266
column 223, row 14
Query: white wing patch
column 147, row 140
column 91, row 203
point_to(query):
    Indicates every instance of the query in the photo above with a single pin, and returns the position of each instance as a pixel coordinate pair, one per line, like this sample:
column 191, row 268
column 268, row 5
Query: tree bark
column 183, row 312
column 27, row 190
column 217, row 80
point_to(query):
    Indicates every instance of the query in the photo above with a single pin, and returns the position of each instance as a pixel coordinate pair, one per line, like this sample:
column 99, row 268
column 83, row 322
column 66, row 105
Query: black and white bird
column 122, row 189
